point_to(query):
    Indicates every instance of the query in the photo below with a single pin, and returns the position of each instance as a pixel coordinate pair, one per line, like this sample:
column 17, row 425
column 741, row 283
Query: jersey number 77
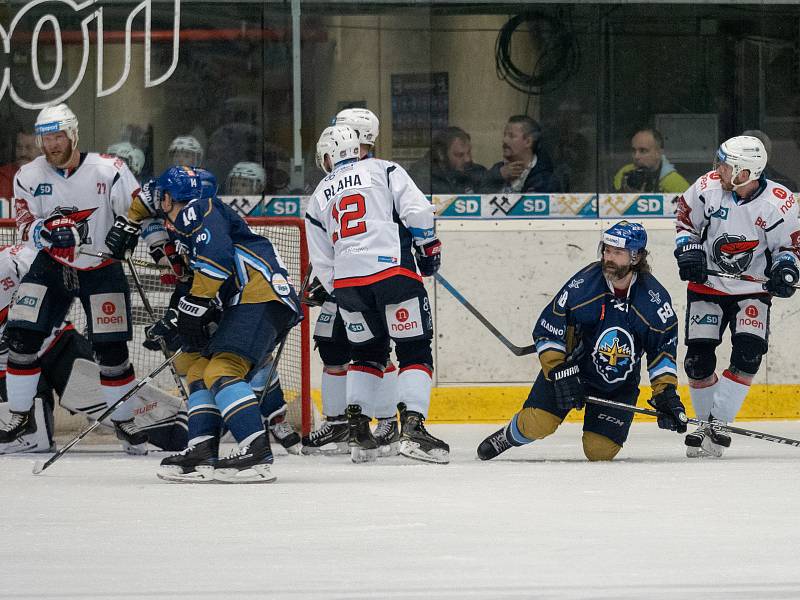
column 348, row 213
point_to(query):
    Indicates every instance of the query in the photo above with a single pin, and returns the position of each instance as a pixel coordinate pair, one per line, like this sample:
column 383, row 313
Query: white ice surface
column 538, row 522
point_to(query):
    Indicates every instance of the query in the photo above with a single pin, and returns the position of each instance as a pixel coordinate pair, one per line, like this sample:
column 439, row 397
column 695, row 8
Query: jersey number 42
column 348, row 214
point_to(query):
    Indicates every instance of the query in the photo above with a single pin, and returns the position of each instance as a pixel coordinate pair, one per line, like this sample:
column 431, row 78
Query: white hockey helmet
column 132, row 156
column 56, row 118
column 339, row 143
column 743, row 152
column 363, row 121
column 185, row 151
column 246, row 179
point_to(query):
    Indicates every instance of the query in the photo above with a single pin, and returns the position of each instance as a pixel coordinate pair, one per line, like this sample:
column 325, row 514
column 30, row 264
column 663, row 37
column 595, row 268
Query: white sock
column 730, row 394
column 334, row 393
column 363, row 386
column 414, row 388
column 386, row 400
column 21, row 387
column 702, row 395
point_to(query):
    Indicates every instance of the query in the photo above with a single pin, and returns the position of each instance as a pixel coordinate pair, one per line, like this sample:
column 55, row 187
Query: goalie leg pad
column 598, row 447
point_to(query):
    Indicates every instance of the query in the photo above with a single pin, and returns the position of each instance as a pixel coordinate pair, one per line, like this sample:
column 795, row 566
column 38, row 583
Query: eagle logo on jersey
column 733, row 253
column 613, row 354
column 81, row 218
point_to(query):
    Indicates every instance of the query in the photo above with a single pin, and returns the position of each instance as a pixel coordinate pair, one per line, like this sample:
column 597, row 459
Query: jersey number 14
column 348, row 214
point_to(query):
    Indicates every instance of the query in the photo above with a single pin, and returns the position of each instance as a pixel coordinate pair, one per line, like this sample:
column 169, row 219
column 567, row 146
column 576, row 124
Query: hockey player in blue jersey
column 590, row 340
column 239, row 274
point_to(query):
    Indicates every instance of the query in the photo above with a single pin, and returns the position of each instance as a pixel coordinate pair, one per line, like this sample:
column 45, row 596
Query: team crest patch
column 613, row 354
column 280, row 285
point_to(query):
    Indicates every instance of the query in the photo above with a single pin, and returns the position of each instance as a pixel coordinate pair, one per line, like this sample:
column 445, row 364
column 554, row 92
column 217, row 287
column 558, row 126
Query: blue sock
column 239, row 407
column 204, row 416
column 514, row 435
column 273, row 401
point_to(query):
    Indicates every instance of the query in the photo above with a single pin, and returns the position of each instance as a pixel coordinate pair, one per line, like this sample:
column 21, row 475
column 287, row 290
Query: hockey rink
column 538, row 522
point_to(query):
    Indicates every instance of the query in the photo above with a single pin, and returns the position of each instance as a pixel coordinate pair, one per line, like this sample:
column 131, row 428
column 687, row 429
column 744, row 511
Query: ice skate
column 18, row 425
column 417, row 443
column 247, row 464
column 193, row 465
column 331, row 438
column 363, row 447
column 283, row 433
column 716, row 439
column 494, row 445
column 694, row 442
column 387, row 436
column 133, row 441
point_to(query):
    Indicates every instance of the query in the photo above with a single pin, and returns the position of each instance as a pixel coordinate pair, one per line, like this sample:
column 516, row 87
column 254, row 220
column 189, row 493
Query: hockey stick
column 40, row 466
column 137, row 261
column 729, row 428
column 151, row 313
column 517, row 350
column 743, row 277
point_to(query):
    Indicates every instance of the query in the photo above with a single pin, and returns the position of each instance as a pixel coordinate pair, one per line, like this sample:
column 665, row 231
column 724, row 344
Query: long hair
column 642, row 266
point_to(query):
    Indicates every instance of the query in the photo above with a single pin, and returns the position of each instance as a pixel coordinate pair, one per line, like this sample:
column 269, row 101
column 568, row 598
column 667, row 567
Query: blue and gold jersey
column 229, row 260
column 608, row 335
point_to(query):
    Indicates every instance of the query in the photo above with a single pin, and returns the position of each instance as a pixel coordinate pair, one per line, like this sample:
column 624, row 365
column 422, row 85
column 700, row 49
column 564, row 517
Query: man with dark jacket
column 524, row 168
column 448, row 168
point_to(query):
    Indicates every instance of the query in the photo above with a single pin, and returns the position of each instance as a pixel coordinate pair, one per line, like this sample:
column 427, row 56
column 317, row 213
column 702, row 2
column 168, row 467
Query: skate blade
column 255, row 474
column 712, row 449
column 696, row 452
column 363, row 455
column 412, row 450
column 137, row 450
column 392, row 449
column 176, row 475
column 332, row 449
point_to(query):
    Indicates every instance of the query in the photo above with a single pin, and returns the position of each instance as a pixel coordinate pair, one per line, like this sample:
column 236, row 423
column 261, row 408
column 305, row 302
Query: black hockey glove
column 62, row 234
column 122, row 238
column 165, row 254
column 316, row 294
column 164, row 330
column 692, row 263
column 672, row 413
column 429, row 257
column 195, row 314
column 782, row 279
column 568, row 387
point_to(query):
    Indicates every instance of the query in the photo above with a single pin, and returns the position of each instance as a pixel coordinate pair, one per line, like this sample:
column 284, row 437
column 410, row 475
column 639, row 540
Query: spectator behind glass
column 650, row 170
column 25, row 150
column 769, row 171
column 448, row 167
column 525, row 167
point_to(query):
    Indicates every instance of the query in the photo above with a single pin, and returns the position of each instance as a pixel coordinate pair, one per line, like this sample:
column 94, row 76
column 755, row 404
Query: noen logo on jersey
column 613, row 355
column 733, row 253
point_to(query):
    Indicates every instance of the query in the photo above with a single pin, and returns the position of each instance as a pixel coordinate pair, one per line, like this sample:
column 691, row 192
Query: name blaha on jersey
column 345, row 182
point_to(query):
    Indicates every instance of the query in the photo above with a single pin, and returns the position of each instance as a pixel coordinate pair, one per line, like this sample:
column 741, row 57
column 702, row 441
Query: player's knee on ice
column 535, row 423
column 598, row 447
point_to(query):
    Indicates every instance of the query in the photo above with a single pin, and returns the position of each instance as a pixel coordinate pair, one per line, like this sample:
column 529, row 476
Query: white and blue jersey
column 607, row 335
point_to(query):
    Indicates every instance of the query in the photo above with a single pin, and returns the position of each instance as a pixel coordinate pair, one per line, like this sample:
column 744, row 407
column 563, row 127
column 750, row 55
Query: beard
column 58, row 159
column 614, row 271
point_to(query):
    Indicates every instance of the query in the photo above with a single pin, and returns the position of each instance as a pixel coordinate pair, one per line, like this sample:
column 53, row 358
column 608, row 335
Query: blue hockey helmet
column 184, row 184
column 626, row 234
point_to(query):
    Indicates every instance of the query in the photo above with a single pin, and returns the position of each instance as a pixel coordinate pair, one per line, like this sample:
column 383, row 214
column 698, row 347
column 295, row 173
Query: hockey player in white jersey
column 331, row 341
column 735, row 221
column 364, row 219
column 67, row 201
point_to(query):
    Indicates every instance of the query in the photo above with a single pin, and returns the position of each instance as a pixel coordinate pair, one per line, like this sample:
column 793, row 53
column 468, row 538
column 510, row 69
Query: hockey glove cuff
column 194, row 316
column 316, row 294
column 123, row 237
column 429, row 257
column 62, row 234
column 567, row 386
column 692, row 263
column 672, row 413
column 782, row 279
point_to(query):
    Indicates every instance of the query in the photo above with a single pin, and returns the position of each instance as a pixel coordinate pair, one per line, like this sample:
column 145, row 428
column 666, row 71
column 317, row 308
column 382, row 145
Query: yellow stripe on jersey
column 205, row 287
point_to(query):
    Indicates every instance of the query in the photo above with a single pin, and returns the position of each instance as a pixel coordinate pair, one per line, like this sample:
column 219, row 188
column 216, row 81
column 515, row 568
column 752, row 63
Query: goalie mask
column 246, row 179
column 132, row 156
column 363, row 121
column 185, row 151
column 339, row 143
column 742, row 153
column 627, row 235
